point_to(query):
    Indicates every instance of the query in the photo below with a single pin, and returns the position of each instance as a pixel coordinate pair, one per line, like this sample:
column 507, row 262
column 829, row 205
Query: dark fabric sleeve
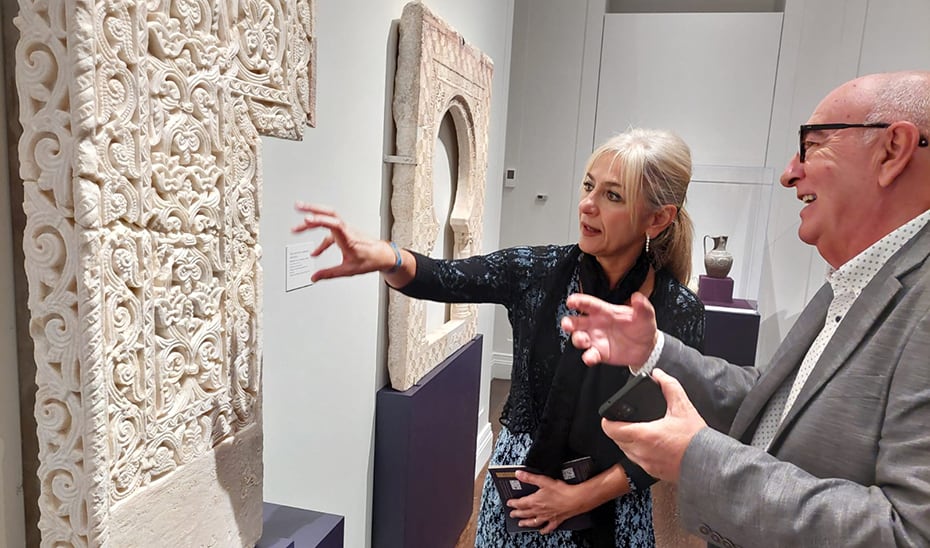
column 498, row 277
column 681, row 314
column 638, row 477
column 515, row 278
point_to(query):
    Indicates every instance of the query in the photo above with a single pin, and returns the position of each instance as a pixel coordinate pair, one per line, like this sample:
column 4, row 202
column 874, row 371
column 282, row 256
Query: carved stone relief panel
column 438, row 72
column 141, row 166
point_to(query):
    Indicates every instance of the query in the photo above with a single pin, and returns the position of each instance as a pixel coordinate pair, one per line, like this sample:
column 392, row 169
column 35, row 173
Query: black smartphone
column 639, row 400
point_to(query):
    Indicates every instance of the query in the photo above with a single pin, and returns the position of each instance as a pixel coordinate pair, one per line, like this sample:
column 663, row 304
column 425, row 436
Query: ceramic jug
column 718, row 260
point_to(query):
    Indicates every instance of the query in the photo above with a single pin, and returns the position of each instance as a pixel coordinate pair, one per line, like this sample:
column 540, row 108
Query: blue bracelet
column 398, row 261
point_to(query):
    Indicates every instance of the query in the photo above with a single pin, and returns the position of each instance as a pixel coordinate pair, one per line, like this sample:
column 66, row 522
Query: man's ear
column 897, row 151
column 661, row 218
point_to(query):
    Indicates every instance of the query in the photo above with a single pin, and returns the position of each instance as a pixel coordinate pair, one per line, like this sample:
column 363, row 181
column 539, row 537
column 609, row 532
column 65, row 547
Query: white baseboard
column 483, row 452
column 501, row 365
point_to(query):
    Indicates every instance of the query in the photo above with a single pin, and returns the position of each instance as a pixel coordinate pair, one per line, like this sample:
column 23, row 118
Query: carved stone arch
column 141, row 165
column 437, row 72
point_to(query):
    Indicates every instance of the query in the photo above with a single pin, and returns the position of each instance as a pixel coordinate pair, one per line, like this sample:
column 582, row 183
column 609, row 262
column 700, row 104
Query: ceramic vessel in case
column 718, row 260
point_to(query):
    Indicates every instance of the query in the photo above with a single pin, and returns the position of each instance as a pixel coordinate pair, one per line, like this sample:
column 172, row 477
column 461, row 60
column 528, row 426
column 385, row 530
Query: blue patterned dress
column 517, row 279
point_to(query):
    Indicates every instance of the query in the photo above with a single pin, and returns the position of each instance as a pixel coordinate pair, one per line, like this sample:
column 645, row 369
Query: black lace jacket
column 516, row 278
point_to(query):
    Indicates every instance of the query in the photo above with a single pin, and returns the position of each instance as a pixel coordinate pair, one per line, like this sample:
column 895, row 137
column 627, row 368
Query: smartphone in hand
column 639, row 400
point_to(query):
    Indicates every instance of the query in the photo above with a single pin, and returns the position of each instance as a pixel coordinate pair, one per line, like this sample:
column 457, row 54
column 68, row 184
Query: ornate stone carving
column 437, row 72
column 140, row 158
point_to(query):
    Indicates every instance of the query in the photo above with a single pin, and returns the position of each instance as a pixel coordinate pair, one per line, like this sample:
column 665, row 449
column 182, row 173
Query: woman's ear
column 660, row 220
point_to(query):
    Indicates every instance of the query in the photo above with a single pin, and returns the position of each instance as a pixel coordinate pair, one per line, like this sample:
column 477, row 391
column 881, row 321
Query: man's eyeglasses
column 806, row 128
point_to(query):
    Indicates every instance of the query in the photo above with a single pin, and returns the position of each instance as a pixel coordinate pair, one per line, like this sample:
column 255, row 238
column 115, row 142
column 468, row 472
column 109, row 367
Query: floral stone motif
column 140, row 160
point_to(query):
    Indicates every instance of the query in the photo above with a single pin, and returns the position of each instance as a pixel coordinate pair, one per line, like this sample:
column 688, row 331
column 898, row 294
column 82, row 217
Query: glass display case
column 731, row 201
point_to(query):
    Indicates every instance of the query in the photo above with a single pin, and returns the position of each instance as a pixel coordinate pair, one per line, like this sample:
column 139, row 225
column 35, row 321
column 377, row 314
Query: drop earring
column 647, row 243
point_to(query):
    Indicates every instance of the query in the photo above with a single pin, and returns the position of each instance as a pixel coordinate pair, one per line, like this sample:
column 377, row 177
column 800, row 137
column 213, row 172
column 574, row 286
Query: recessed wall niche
column 438, row 74
column 445, row 181
column 141, row 165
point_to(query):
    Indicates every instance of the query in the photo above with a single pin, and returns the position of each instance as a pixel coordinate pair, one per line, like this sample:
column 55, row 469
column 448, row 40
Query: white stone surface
column 141, row 165
column 437, row 72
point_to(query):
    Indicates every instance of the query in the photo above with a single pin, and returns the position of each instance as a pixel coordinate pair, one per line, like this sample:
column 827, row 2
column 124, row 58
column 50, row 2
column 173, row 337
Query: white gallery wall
column 549, row 69
column 324, row 345
column 820, row 44
column 824, row 43
column 717, row 95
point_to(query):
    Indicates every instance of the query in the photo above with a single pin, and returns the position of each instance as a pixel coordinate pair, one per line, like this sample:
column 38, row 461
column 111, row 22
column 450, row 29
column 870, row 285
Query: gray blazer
column 850, row 465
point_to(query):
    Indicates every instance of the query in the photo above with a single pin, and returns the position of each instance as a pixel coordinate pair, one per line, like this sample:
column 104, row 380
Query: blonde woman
column 634, row 235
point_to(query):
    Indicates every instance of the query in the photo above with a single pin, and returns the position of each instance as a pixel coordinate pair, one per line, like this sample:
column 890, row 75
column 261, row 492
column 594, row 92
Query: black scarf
column 570, row 426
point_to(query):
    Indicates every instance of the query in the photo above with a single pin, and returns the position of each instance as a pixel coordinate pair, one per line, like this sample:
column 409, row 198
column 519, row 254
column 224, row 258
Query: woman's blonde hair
column 655, row 166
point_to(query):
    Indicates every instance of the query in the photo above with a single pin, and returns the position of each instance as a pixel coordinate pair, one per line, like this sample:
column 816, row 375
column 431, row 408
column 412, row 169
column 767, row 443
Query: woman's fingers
column 316, row 209
column 322, row 221
column 324, row 245
column 339, row 271
column 591, row 356
column 337, row 231
column 320, row 216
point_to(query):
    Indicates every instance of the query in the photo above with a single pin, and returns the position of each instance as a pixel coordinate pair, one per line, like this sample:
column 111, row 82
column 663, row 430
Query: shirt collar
column 857, row 272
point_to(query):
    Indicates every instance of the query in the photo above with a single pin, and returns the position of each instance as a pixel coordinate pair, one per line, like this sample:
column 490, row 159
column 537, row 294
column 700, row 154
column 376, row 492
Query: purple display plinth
column 275, row 543
column 715, row 290
column 289, row 527
column 425, row 445
column 731, row 331
column 734, row 303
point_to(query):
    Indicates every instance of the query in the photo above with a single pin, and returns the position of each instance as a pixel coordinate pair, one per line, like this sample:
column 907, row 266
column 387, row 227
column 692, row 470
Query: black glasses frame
column 805, row 128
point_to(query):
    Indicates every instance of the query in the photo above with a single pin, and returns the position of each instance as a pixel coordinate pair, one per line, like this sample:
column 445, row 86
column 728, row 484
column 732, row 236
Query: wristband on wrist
column 653, row 359
column 398, row 260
